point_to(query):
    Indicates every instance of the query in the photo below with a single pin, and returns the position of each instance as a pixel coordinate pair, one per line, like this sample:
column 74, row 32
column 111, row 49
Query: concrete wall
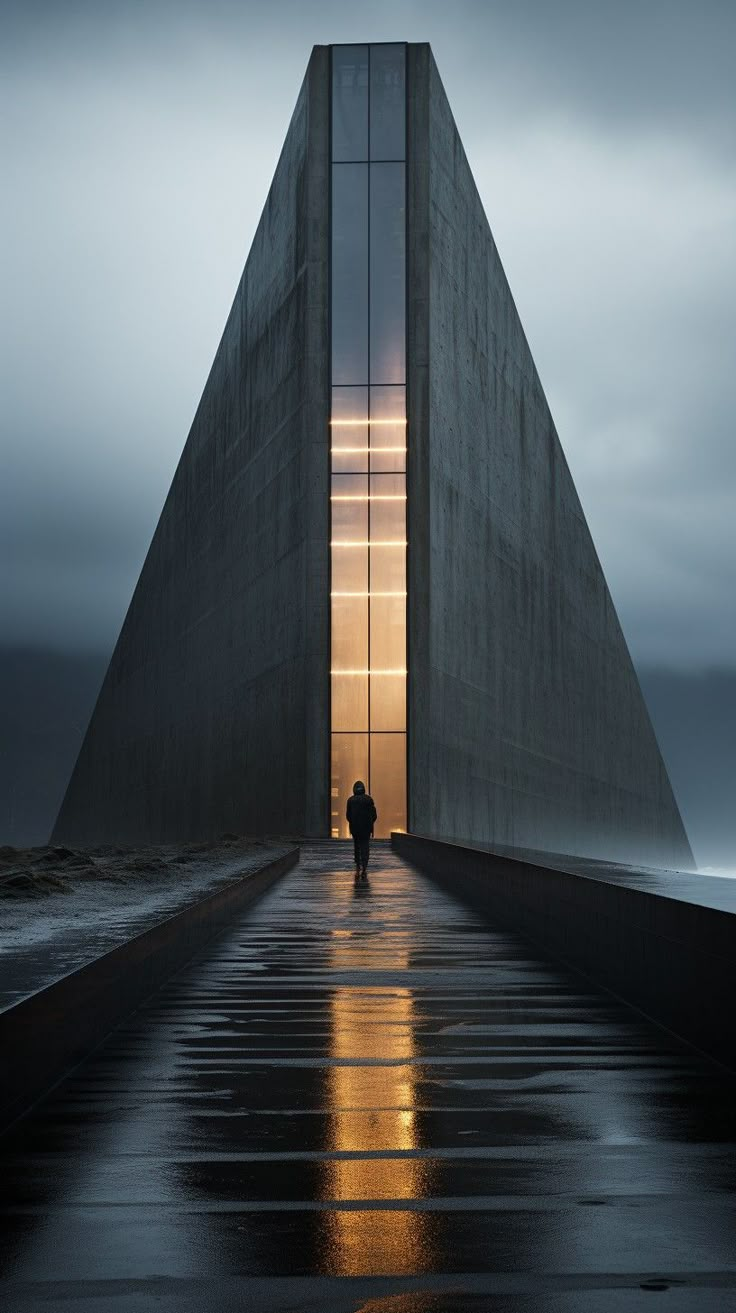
column 46, row 1034
column 673, row 960
column 527, row 724
column 213, row 715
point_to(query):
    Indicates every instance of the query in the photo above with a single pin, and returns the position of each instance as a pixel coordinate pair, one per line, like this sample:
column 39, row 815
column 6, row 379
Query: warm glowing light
column 363, row 451
column 367, row 672
column 359, row 423
column 393, row 593
column 396, row 542
column 372, row 1108
column 368, row 496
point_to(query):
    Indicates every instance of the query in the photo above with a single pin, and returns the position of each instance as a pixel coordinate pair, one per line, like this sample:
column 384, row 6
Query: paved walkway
column 373, row 1101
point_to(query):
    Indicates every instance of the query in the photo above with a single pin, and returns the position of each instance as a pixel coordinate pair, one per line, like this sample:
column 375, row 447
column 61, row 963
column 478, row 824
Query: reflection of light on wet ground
column 249, row 1135
column 371, row 1102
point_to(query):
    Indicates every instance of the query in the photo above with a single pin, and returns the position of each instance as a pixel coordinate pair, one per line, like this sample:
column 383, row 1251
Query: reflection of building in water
column 372, row 1108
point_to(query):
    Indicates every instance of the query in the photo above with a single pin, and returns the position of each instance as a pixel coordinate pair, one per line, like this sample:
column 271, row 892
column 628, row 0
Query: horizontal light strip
column 363, row 451
column 378, row 594
column 367, row 672
column 396, row 542
column 359, row 423
column 368, row 496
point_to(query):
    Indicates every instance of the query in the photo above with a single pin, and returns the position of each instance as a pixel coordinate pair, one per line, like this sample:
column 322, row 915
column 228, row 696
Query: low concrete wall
column 45, row 1035
column 673, row 960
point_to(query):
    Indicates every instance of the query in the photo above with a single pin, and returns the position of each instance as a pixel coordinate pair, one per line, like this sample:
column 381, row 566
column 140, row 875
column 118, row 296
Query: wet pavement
column 373, row 1100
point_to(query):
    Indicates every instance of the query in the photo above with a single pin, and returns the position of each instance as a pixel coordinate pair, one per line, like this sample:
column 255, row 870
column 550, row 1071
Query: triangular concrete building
column 372, row 560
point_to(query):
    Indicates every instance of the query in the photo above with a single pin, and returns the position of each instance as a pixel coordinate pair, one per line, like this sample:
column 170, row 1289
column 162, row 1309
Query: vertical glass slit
column 368, row 432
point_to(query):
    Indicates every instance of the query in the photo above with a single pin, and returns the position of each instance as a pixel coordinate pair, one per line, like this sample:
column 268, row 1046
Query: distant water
column 723, row 871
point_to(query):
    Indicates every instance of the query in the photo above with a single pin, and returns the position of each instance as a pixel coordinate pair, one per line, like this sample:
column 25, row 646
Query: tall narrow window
column 368, row 432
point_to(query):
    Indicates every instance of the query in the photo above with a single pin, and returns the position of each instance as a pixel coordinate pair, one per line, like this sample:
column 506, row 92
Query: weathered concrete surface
column 527, row 723
column 47, row 1033
column 213, row 714
column 376, row 1102
column 670, row 952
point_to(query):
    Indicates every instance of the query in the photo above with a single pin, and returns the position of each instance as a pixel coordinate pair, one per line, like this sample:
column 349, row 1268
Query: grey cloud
column 142, row 141
column 662, row 59
column 624, row 270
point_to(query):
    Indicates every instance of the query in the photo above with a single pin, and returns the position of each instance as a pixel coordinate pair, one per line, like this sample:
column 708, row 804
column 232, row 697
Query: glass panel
column 387, row 278
column 388, row 486
column 349, row 569
column 388, row 569
column 388, row 103
column 388, row 702
column 349, row 488
column 388, row 428
column 349, row 633
column 349, row 763
column 388, row 508
column 350, row 272
column 350, row 102
column 350, row 702
column 388, row 634
column 351, row 461
column 349, row 439
column 350, row 518
column 388, row 782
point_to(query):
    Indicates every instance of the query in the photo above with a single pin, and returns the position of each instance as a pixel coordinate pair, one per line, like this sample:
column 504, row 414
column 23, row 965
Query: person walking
column 361, row 816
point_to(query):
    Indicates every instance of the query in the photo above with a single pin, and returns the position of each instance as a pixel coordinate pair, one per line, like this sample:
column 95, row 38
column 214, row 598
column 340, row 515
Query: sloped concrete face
column 214, row 715
column 527, row 723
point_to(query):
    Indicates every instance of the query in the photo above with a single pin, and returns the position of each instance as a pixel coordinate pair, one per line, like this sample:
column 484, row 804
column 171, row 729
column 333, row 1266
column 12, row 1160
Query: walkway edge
column 43, row 1036
column 672, row 960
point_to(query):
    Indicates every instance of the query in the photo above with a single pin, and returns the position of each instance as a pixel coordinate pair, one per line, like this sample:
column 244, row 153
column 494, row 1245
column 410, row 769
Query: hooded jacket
column 361, row 814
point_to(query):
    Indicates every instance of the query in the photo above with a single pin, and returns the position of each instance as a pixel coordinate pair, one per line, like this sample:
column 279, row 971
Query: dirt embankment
column 40, row 872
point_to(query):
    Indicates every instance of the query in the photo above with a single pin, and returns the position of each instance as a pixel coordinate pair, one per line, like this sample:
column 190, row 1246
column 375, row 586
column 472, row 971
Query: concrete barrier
column 673, row 960
column 43, row 1036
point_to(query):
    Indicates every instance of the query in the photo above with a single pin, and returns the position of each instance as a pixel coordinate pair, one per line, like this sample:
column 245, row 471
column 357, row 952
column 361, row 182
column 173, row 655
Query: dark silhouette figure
column 361, row 815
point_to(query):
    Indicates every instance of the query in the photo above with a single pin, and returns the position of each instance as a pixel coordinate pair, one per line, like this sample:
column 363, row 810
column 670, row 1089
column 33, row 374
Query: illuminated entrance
column 368, row 432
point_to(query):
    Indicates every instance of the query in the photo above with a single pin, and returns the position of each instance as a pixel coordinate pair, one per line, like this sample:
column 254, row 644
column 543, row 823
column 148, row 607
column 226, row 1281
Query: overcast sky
column 139, row 141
